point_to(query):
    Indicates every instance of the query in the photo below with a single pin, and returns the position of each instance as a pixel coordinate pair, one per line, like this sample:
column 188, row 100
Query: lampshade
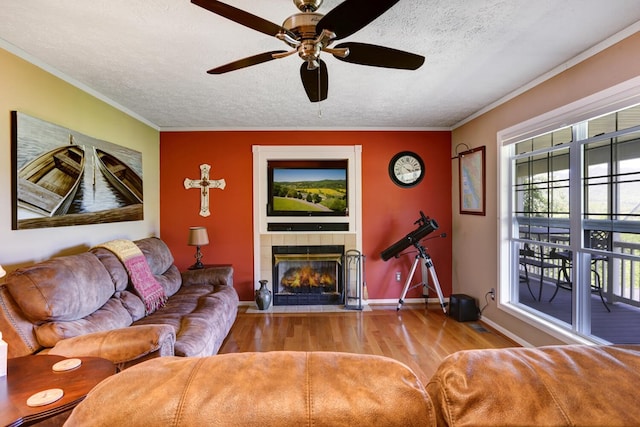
column 198, row 236
column 2, row 272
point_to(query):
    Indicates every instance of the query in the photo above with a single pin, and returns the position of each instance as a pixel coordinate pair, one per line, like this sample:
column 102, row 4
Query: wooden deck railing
column 623, row 267
column 625, row 271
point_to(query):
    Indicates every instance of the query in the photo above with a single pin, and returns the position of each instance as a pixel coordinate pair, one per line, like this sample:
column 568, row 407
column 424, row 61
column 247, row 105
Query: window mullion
column 581, row 315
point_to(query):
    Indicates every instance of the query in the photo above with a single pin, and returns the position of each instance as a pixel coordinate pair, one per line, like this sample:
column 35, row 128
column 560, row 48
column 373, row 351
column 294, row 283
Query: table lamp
column 198, row 237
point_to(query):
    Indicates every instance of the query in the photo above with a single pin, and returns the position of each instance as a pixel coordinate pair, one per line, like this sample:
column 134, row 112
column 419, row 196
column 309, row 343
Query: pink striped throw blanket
column 145, row 285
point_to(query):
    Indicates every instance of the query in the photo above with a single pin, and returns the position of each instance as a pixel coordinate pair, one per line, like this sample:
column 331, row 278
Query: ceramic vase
column 263, row 295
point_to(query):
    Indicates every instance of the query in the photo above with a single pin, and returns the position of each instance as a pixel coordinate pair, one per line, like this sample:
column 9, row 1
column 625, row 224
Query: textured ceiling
column 150, row 57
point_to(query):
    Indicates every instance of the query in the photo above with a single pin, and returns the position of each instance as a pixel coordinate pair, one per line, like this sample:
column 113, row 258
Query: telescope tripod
column 422, row 254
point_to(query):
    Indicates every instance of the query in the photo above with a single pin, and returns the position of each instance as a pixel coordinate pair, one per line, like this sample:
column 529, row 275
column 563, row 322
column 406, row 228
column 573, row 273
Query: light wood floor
column 416, row 335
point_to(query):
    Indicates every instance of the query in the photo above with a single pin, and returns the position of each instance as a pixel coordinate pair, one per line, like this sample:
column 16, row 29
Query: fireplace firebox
column 307, row 275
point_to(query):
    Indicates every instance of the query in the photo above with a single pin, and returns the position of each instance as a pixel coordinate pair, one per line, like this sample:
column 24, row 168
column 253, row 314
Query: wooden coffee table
column 29, row 375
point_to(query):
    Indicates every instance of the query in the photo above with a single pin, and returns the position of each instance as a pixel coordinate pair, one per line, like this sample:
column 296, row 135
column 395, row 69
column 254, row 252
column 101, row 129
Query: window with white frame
column 572, row 226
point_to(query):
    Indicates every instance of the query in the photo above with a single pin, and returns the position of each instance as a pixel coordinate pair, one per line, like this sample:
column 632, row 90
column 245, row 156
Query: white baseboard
column 507, row 333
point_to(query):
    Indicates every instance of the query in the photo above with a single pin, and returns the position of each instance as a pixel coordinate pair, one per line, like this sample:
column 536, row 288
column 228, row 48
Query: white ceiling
column 150, row 58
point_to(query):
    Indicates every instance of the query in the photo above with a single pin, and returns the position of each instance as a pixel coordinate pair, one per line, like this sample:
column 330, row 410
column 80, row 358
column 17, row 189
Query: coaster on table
column 45, row 397
column 66, row 365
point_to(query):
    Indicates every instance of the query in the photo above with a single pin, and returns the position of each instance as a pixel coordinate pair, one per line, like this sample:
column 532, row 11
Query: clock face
column 406, row 169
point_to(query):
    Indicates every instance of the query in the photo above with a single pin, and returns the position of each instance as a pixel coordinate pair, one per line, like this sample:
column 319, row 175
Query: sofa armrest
column 538, row 386
column 222, row 275
column 120, row 346
column 16, row 329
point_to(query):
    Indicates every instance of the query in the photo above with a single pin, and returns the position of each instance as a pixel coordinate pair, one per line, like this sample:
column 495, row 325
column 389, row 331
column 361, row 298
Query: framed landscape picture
column 471, row 166
column 61, row 177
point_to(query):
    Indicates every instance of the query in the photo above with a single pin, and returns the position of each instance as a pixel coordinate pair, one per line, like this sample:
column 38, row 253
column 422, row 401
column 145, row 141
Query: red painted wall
column 389, row 212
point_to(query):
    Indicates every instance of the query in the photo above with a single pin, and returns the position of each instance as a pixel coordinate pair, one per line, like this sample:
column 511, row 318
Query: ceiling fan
column 310, row 33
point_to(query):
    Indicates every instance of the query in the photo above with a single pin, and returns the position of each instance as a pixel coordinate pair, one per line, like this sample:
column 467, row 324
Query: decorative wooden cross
column 204, row 184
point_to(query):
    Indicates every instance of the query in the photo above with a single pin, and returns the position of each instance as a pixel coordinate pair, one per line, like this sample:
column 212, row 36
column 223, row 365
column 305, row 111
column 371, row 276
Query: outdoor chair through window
column 540, row 262
column 598, row 239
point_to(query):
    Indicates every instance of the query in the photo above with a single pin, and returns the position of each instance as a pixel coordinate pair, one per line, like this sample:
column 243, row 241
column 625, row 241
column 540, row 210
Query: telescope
column 426, row 226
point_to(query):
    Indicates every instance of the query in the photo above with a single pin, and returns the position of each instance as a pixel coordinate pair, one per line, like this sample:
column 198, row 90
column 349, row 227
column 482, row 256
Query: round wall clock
column 406, row 169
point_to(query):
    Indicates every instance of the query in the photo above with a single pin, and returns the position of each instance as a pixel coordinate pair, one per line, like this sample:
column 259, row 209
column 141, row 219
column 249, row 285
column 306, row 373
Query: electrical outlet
column 492, row 293
column 398, row 276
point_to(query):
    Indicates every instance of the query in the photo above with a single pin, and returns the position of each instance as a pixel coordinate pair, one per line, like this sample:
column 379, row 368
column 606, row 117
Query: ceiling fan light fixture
column 303, row 25
column 309, row 50
column 310, row 33
column 325, row 38
column 285, row 37
column 340, row 52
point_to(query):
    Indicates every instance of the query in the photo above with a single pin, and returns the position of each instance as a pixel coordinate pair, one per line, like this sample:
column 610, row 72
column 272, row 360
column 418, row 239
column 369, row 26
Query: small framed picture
column 471, row 166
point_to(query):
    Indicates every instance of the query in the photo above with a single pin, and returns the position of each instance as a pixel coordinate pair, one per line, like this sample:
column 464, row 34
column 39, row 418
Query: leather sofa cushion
column 284, row 389
column 170, row 280
column 114, row 267
column 160, row 262
column 157, row 253
column 110, row 316
column 558, row 385
column 56, row 289
column 133, row 304
column 201, row 315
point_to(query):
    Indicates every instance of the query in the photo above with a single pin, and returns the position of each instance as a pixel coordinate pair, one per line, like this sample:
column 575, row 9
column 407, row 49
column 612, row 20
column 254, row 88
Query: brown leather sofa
column 84, row 305
column 281, row 389
column 548, row 386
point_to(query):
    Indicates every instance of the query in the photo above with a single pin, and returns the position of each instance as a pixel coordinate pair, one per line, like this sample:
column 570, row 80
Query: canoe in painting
column 120, row 175
column 48, row 183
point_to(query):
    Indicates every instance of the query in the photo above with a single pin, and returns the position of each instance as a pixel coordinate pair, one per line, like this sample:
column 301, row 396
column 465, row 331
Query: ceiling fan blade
column 242, row 17
column 352, row 15
column 245, row 62
column 315, row 82
column 380, row 56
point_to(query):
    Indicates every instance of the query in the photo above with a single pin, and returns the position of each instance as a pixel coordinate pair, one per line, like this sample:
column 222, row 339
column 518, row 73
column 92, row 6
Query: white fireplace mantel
column 263, row 238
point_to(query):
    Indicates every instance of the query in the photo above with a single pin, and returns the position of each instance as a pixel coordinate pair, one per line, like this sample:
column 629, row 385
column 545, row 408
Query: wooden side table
column 32, row 374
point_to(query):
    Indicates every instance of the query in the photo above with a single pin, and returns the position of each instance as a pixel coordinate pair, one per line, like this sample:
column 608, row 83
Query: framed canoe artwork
column 61, row 177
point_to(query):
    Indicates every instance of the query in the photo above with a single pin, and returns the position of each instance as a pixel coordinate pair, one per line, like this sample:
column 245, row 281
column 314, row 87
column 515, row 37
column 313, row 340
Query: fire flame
column 307, row 276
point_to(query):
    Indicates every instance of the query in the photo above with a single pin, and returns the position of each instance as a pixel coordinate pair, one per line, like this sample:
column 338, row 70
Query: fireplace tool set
column 354, row 279
column 426, row 226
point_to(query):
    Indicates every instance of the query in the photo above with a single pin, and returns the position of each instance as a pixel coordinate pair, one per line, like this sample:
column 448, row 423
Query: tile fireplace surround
column 264, row 239
column 267, row 241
